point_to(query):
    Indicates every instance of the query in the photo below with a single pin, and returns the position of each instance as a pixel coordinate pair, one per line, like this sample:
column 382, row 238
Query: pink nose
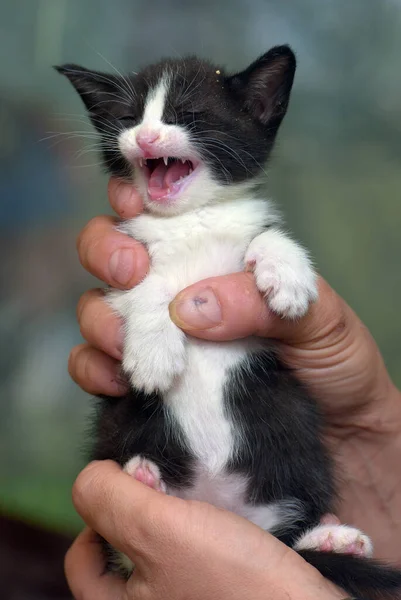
column 146, row 137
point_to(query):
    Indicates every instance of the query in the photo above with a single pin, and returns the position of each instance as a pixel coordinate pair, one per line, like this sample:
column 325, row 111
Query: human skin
column 330, row 350
column 182, row 550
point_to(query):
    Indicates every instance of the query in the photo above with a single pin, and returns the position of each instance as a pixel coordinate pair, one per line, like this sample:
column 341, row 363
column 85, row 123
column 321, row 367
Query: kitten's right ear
column 93, row 86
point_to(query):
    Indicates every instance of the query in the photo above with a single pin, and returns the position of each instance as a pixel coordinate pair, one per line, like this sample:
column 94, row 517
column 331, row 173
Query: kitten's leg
column 146, row 471
column 283, row 272
column 336, row 538
column 154, row 348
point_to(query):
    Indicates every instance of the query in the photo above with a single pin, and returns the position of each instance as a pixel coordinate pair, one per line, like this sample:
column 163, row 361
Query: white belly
column 196, row 401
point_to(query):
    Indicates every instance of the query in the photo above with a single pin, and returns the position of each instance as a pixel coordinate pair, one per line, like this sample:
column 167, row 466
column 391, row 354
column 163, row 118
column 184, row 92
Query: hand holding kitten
column 179, row 546
column 330, row 350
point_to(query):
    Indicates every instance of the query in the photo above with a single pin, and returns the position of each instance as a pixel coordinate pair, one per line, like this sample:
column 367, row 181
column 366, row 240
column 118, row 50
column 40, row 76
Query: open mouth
column 166, row 176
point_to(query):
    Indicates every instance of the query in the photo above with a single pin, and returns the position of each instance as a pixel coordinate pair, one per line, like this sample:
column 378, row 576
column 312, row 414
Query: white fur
column 139, row 462
column 122, row 563
column 339, row 538
column 155, row 104
column 154, row 349
column 228, row 491
column 283, row 272
column 195, row 402
column 211, row 230
column 184, row 249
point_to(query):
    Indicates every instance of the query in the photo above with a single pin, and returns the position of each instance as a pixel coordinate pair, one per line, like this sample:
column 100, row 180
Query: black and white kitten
column 226, row 422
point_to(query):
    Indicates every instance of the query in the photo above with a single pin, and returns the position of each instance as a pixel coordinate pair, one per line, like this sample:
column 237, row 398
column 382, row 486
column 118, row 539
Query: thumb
column 231, row 307
column 127, row 513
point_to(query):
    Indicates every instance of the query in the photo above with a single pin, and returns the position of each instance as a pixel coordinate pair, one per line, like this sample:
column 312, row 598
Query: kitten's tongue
column 163, row 178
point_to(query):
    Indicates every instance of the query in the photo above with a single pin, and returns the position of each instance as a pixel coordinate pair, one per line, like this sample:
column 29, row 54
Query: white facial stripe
column 155, row 102
column 151, row 120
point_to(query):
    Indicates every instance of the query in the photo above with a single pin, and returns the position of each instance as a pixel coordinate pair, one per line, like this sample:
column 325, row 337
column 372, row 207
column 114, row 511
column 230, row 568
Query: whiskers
column 91, row 139
column 88, row 142
column 213, row 147
column 125, row 85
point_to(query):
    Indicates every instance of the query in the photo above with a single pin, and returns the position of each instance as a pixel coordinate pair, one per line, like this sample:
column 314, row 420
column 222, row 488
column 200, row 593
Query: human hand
column 121, row 262
column 182, row 550
column 330, row 350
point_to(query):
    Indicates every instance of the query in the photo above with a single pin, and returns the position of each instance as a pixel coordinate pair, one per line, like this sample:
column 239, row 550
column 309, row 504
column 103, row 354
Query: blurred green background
column 336, row 175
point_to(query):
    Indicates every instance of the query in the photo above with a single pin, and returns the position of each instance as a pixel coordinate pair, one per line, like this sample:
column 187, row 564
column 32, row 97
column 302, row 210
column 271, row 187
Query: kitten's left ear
column 93, row 87
column 265, row 86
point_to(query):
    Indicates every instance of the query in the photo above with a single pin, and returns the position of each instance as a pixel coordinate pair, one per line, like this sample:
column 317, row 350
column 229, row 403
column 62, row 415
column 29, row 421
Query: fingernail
column 122, row 265
column 124, row 195
column 201, row 311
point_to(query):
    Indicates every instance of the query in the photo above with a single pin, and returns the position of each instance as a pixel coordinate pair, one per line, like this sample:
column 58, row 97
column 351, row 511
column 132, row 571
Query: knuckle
column 82, row 302
column 77, row 488
column 84, row 483
column 86, row 233
column 91, row 234
column 78, row 364
column 72, row 362
column 69, row 563
column 88, row 309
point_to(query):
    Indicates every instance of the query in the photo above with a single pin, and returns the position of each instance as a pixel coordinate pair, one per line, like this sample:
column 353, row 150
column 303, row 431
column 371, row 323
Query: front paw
column 153, row 367
column 283, row 273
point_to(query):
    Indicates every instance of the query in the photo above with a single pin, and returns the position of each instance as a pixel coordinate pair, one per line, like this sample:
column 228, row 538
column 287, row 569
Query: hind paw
column 336, row 538
column 146, row 472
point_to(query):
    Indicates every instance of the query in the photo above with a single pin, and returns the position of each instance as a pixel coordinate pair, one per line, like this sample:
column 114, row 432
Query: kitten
column 226, row 422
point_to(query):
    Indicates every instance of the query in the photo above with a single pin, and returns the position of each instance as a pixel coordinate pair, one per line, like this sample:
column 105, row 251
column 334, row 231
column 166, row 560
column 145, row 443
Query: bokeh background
column 336, row 175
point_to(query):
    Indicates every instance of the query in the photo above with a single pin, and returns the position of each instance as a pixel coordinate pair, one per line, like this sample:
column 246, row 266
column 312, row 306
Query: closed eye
column 127, row 118
column 191, row 113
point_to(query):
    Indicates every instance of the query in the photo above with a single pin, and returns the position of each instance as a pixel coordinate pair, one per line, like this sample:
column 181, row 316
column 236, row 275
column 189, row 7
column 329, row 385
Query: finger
column 330, row 519
column 231, row 307
column 85, row 570
column 124, row 198
column 124, row 511
column 95, row 372
column 110, row 255
column 99, row 325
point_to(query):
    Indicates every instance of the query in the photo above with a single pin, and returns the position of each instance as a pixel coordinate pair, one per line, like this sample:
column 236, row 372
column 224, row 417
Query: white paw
column 153, row 365
column 283, row 272
column 146, row 471
column 154, row 348
column 336, row 538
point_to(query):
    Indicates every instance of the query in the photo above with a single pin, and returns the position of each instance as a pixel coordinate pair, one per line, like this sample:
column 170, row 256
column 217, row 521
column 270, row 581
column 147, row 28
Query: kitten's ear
column 265, row 85
column 93, row 86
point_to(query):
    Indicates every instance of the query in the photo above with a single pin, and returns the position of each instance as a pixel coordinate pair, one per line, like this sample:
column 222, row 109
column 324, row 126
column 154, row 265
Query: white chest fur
column 196, row 401
column 191, row 374
column 184, row 249
column 212, row 236
column 205, row 242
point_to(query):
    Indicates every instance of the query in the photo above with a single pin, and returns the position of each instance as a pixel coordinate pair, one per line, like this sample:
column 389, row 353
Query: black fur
column 241, row 112
column 357, row 575
column 282, row 455
column 137, row 423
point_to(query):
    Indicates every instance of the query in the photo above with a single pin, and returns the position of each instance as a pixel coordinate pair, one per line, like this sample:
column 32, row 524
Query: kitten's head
column 189, row 133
